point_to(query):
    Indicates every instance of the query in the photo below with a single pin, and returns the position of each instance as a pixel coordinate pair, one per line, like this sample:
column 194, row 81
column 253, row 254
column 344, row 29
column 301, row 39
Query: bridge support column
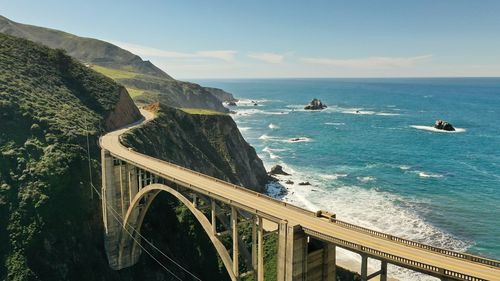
column 115, row 199
column 214, row 217
column 234, row 227
column 260, row 250
column 292, row 253
column 364, row 267
column 383, row 271
column 329, row 263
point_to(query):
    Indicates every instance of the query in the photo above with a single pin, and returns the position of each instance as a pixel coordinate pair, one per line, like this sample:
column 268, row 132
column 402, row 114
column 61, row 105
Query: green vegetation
column 86, row 50
column 134, row 92
column 124, row 67
column 114, row 73
column 201, row 111
column 47, row 223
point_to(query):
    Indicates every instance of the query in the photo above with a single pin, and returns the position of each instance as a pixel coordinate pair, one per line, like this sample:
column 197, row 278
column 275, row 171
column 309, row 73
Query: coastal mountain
column 50, row 224
column 87, row 50
column 145, row 82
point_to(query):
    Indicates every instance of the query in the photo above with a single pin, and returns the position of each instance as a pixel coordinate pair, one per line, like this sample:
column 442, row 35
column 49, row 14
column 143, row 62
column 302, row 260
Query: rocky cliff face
column 125, row 112
column 221, row 95
column 174, row 93
column 210, row 144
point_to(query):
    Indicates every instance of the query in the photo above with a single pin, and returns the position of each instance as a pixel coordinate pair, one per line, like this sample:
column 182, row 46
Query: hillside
column 144, row 81
column 48, row 225
column 87, row 50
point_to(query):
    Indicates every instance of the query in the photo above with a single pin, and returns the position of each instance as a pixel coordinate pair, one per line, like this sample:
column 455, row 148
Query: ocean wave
column 273, row 126
column 386, row 114
column 362, row 111
column 247, row 112
column 251, row 102
column 432, row 129
column 366, row 179
column 429, row 175
column 267, row 137
column 332, row 176
column 381, row 211
column 275, row 112
column 244, row 129
column 335, row 123
column 271, row 152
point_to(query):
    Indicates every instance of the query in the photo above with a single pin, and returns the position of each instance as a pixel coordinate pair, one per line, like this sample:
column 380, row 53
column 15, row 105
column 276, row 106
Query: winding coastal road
column 395, row 250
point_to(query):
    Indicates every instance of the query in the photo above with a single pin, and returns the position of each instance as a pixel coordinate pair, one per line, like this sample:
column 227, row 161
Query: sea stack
column 278, row 170
column 315, row 104
column 443, row 125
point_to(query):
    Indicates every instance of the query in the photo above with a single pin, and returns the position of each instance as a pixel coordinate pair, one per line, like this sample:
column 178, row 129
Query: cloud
column 267, row 57
column 225, row 55
column 371, row 62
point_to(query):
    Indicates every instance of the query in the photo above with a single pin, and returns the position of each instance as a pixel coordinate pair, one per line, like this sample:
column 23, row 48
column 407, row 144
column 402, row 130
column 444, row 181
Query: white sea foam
column 335, row 123
column 432, row 129
column 273, row 126
column 370, row 208
column 247, row 112
column 250, row 102
column 244, row 129
column 272, row 152
column 386, row 114
column 358, row 112
column 329, row 177
column 361, row 111
column 429, row 175
column 366, row 179
column 266, row 137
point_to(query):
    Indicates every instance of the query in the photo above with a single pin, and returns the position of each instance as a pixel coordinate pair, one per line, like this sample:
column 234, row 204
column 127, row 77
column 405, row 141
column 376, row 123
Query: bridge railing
column 437, row 271
column 450, row 253
column 464, row 256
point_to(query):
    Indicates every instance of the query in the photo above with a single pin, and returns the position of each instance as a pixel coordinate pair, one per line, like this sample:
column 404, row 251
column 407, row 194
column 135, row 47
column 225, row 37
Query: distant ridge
column 84, row 49
column 145, row 82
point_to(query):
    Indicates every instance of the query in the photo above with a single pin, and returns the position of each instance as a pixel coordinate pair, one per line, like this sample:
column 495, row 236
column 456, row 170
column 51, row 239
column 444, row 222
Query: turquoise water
column 373, row 167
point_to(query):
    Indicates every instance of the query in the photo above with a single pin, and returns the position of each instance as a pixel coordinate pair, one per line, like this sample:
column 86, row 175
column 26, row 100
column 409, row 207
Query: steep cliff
column 210, row 144
column 221, row 95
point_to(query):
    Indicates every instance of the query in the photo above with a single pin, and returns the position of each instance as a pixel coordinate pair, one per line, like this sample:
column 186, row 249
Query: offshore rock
column 315, row 104
column 278, row 170
column 443, row 125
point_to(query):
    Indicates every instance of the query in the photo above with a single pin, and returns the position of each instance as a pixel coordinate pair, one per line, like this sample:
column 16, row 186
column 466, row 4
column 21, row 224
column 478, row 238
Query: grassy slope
column 48, row 227
column 151, row 83
column 201, row 111
column 84, row 49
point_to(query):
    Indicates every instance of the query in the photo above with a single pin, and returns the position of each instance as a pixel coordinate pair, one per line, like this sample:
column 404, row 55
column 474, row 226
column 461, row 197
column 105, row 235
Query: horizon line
column 326, row 77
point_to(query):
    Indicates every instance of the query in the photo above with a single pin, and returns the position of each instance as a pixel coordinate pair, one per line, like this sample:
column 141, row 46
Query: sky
column 287, row 39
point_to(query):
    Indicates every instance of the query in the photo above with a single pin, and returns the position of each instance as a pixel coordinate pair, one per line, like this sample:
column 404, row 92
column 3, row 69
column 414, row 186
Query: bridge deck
column 396, row 252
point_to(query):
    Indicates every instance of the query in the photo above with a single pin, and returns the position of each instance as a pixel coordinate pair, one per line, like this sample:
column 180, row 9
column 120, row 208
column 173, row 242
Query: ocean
column 373, row 158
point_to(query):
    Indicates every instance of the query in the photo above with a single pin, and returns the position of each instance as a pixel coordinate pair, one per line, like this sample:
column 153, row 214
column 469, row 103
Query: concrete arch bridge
column 307, row 241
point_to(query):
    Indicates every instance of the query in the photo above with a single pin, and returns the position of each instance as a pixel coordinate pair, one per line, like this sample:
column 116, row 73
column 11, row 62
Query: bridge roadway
column 409, row 256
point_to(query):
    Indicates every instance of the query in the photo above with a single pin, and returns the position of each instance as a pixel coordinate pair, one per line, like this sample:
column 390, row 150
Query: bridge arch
column 149, row 193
